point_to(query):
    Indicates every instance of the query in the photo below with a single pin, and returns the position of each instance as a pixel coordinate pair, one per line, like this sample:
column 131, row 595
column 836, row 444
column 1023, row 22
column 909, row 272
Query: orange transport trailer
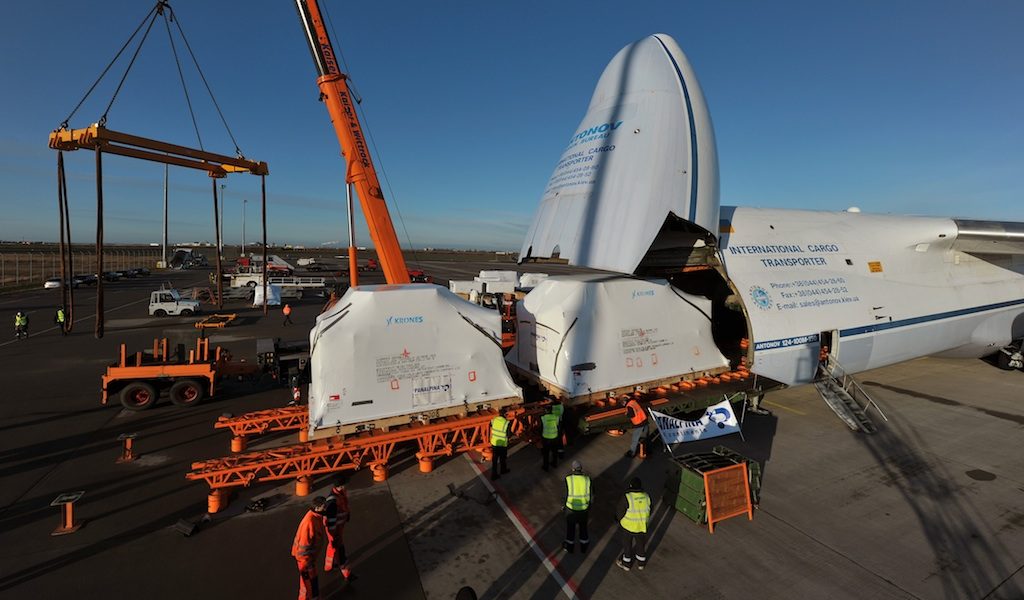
column 139, row 379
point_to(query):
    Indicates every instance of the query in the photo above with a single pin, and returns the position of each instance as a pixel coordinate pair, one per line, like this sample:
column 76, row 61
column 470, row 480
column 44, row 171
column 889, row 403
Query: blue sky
column 897, row 107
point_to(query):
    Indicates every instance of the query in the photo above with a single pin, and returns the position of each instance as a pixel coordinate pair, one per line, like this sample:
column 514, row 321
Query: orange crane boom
column 336, row 95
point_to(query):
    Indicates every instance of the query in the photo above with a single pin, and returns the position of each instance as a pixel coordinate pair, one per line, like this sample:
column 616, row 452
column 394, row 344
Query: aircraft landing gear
column 755, row 399
column 1010, row 357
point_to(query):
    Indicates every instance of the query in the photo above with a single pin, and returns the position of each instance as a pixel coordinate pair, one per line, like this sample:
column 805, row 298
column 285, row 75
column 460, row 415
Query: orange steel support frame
column 287, row 418
column 216, row 321
column 296, row 418
column 336, row 95
column 444, row 438
column 728, row 494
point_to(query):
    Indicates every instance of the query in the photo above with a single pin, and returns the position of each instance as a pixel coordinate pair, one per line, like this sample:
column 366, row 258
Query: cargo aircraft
column 636, row 192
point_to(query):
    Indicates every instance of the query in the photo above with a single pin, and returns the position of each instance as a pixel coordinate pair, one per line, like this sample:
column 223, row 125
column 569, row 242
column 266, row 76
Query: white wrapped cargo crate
column 492, row 286
column 582, row 337
column 465, row 287
column 390, row 354
column 528, row 281
column 508, row 276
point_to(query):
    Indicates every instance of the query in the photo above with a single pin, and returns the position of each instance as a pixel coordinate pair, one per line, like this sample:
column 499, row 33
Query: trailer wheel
column 187, row 392
column 159, row 313
column 138, row 395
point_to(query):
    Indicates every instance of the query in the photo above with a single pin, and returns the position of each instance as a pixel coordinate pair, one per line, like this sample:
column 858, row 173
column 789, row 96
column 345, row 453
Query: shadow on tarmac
column 608, row 487
column 970, row 562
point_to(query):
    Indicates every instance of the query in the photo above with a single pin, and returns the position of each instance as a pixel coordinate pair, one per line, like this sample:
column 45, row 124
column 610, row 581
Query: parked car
column 112, row 276
column 418, row 276
column 54, row 283
column 143, row 271
column 84, row 279
column 131, row 273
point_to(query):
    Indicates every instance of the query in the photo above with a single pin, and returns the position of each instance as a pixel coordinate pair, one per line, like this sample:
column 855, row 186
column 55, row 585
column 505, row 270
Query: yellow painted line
column 784, row 407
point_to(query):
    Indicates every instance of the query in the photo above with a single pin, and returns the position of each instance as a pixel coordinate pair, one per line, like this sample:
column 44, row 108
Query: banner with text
column 718, row 419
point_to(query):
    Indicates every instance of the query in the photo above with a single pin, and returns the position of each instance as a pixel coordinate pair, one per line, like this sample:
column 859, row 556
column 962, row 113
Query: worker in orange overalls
column 335, row 516
column 287, row 310
column 638, row 419
column 307, row 542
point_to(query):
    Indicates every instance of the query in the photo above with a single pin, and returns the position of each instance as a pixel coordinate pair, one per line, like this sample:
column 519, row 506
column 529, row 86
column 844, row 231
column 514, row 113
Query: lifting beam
column 114, row 142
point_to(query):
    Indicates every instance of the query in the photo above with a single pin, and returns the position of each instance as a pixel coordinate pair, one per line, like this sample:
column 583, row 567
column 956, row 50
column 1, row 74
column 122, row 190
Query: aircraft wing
column 989, row 237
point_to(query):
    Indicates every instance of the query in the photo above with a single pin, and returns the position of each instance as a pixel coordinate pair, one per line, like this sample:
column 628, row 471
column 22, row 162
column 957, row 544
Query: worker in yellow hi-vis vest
column 60, row 319
column 558, row 409
column 635, row 509
column 550, row 434
column 577, row 502
column 501, row 428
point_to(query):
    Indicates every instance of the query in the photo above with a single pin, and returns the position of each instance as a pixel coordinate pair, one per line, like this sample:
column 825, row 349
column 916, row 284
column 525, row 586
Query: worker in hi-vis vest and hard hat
column 558, row 409
column 551, row 432
column 635, row 509
column 60, row 319
column 20, row 325
column 577, row 504
column 501, row 429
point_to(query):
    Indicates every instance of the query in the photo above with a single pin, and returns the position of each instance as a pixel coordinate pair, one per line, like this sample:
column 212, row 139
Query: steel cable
column 103, row 118
column 184, row 86
column 177, row 23
column 110, row 64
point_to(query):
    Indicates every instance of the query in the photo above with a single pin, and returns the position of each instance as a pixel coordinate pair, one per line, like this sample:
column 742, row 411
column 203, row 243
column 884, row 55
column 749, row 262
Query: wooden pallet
column 423, row 417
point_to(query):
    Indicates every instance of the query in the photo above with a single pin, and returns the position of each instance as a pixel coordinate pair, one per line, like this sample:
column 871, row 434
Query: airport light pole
column 163, row 256
column 244, row 202
column 223, row 187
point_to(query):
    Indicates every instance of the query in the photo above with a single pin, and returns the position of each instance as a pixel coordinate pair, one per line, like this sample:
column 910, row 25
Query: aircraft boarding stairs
column 846, row 397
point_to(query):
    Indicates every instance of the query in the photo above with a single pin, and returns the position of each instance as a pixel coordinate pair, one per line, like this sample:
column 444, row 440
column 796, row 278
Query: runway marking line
column 784, row 407
column 567, row 585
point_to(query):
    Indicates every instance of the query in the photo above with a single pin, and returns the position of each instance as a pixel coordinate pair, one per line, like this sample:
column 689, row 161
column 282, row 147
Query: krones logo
column 642, row 293
column 404, row 320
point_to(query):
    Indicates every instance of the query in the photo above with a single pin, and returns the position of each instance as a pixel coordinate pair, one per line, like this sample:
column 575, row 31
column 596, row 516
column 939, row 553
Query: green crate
column 691, row 495
column 705, row 461
column 691, row 480
column 693, row 512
